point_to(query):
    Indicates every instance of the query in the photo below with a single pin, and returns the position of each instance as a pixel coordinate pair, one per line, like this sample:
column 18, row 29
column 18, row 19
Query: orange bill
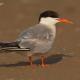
column 63, row 20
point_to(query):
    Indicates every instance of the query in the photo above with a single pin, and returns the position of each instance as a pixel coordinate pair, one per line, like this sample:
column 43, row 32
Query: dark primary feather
column 8, row 44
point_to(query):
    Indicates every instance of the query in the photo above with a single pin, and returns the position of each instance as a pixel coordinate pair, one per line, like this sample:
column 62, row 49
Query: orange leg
column 43, row 65
column 30, row 60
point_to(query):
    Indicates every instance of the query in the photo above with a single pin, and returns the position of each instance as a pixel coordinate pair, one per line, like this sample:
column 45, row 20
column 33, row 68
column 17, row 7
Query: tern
column 37, row 39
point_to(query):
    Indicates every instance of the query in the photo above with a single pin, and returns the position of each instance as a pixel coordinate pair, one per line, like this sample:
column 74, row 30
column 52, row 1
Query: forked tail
column 11, row 46
column 8, row 44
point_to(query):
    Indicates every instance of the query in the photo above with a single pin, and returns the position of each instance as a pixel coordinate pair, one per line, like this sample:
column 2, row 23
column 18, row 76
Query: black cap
column 49, row 13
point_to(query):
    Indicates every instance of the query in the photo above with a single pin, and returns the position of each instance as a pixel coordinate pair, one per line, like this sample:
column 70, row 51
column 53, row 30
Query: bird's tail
column 11, row 46
column 8, row 44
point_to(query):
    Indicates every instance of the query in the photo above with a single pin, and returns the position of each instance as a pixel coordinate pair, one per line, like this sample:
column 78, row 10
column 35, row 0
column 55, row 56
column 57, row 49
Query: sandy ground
column 16, row 15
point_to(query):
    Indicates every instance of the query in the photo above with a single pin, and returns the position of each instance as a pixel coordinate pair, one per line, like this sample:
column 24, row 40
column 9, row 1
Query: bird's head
column 52, row 17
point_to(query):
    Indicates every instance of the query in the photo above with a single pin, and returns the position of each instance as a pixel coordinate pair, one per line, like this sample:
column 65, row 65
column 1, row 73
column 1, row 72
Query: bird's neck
column 48, row 25
column 48, row 22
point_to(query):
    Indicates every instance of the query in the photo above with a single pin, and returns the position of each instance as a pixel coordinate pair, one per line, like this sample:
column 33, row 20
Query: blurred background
column 17, row 15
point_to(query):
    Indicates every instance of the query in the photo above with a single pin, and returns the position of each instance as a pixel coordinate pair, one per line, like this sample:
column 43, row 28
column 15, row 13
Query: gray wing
column 38, row 34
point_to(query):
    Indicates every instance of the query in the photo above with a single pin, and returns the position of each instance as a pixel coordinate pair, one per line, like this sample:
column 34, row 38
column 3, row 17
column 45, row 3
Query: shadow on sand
column 49, row 60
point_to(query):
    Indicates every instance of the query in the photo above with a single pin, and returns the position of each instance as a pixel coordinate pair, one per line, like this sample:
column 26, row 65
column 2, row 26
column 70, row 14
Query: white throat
column 50, row 22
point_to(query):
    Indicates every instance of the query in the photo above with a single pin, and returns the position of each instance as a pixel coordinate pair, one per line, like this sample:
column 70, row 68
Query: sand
column 17, row 15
